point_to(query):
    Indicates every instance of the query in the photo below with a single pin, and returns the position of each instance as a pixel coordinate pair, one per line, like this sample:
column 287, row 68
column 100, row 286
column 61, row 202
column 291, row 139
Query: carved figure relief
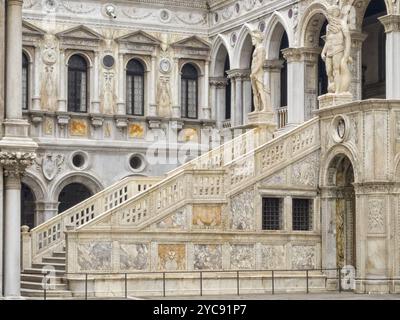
column 273, row 257
column 175, row 221
column 376, row 220
column 303, row 257
column 242, row 211
column 171, row 257
column 134, row 256
column 78, row 128
column 306, row 172
column 164, row 98
column 242, row 257
column 206, row 217
column 207, row 257
column 94, row 256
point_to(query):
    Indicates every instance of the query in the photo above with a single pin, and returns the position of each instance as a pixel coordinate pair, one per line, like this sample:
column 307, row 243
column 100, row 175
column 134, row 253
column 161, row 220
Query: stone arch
column 88, row 180
column 361, row 8
column 36, row 185
column 143, row 61
column 311, row 24
column 276, row 27
column 327, row 162
column 195, row 64
column 83, row 54
column 219, row 51
column 243, row 50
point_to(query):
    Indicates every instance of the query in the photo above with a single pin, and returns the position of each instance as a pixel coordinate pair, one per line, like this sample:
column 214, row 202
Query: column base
column 332, row 99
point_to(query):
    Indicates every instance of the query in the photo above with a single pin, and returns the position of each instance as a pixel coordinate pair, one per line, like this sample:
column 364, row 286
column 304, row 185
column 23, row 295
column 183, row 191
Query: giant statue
column 262, row 95
column 336, row 52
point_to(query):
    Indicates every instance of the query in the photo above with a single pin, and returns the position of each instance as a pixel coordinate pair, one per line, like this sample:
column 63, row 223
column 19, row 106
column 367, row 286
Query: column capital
column 218, row 82
column 273, row 64
column 357, row 38
column 15, row 2
column 391, row 22
column 15, row 163
column 301, row 54
column 238, row 74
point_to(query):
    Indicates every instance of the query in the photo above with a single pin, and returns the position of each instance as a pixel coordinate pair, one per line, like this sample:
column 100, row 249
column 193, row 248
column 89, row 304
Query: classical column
column 218, row 99
column 392, row 29
column 121, row 85
column 62, row 100
column 206, row 102
column 152, row 87
column 176, row 106
column 95, row 85
column 357, row 39
column 272, row 70
column 36, row 80
column 302, row 84
column 14, row 164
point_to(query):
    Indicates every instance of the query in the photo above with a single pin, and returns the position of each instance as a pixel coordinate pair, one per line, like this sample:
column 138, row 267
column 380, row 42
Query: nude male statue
column 336, row 52
column 261, row 93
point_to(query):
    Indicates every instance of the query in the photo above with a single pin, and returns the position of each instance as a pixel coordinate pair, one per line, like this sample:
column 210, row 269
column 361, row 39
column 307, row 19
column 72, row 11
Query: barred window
column 135, row 88
column 272, row 213
column 189, row 91
column 77, row 84
column 25, row 81
column 302, row 214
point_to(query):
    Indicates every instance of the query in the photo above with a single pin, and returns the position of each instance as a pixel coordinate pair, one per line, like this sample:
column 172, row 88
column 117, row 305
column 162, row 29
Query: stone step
column 54, row 260
column 39, row 286
column 39, row 270
column 49, row 294
column 60, row 254
column 39, row 278
column 57, row 266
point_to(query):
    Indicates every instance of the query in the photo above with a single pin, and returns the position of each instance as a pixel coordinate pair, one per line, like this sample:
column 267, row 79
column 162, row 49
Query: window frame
column 26, row 92
column 280, row 213
column 310, row 215
column 185, row 80
column 132, row 74
column 87, row 93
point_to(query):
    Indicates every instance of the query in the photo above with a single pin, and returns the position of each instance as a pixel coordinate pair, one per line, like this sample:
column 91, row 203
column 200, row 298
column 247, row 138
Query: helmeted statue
column 336, row 52
column 262, row 95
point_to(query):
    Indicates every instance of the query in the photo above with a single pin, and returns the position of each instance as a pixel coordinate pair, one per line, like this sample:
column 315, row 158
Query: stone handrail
column 164, row 197
column 193, row 183
column 227, row 152
column 51, row 233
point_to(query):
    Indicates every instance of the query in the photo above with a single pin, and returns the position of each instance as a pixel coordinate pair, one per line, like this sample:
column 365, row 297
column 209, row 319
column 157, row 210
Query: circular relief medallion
column 108, row 61
column 165, row 65
column 49, row 56
column 237, row 7
column 216, row 17
column 165, row 15
column 339, row 129
column 261, row 26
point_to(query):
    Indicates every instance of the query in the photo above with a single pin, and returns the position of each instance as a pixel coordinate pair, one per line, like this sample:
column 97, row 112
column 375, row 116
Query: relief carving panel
column 207, row 257
column 94, row 256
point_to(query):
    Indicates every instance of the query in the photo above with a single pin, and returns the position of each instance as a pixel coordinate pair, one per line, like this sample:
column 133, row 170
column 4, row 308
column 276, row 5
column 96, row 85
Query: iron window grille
column 272, row 213
column 302, row 214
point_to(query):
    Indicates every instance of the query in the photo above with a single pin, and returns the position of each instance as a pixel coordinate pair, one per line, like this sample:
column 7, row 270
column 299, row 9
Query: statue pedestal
column 264, row 121
column 332, row 99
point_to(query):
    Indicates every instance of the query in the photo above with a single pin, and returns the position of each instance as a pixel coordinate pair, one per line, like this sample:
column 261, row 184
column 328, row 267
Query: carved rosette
column 15, row 163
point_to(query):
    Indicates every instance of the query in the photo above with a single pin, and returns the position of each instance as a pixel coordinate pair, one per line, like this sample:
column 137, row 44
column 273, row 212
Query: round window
column 108, row 61
column 78, row 160
column 136, row 162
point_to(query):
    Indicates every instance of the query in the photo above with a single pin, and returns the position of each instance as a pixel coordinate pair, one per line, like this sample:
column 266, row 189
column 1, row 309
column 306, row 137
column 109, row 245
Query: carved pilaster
column 301, row 54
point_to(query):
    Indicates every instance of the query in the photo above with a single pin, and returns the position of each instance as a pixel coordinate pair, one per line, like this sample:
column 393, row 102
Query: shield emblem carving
column 51, row 165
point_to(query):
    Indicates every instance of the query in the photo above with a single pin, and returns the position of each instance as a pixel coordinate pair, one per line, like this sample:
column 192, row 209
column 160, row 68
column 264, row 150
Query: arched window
column 189, row 93
column 77, row 84
column 228, row 90
column 135, row 88
column 25, row 81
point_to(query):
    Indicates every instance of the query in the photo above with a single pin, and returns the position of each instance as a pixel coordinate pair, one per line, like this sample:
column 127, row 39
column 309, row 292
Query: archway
column 374, row 52
column 28, row 206
column 343, row 215
column 71, row 195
